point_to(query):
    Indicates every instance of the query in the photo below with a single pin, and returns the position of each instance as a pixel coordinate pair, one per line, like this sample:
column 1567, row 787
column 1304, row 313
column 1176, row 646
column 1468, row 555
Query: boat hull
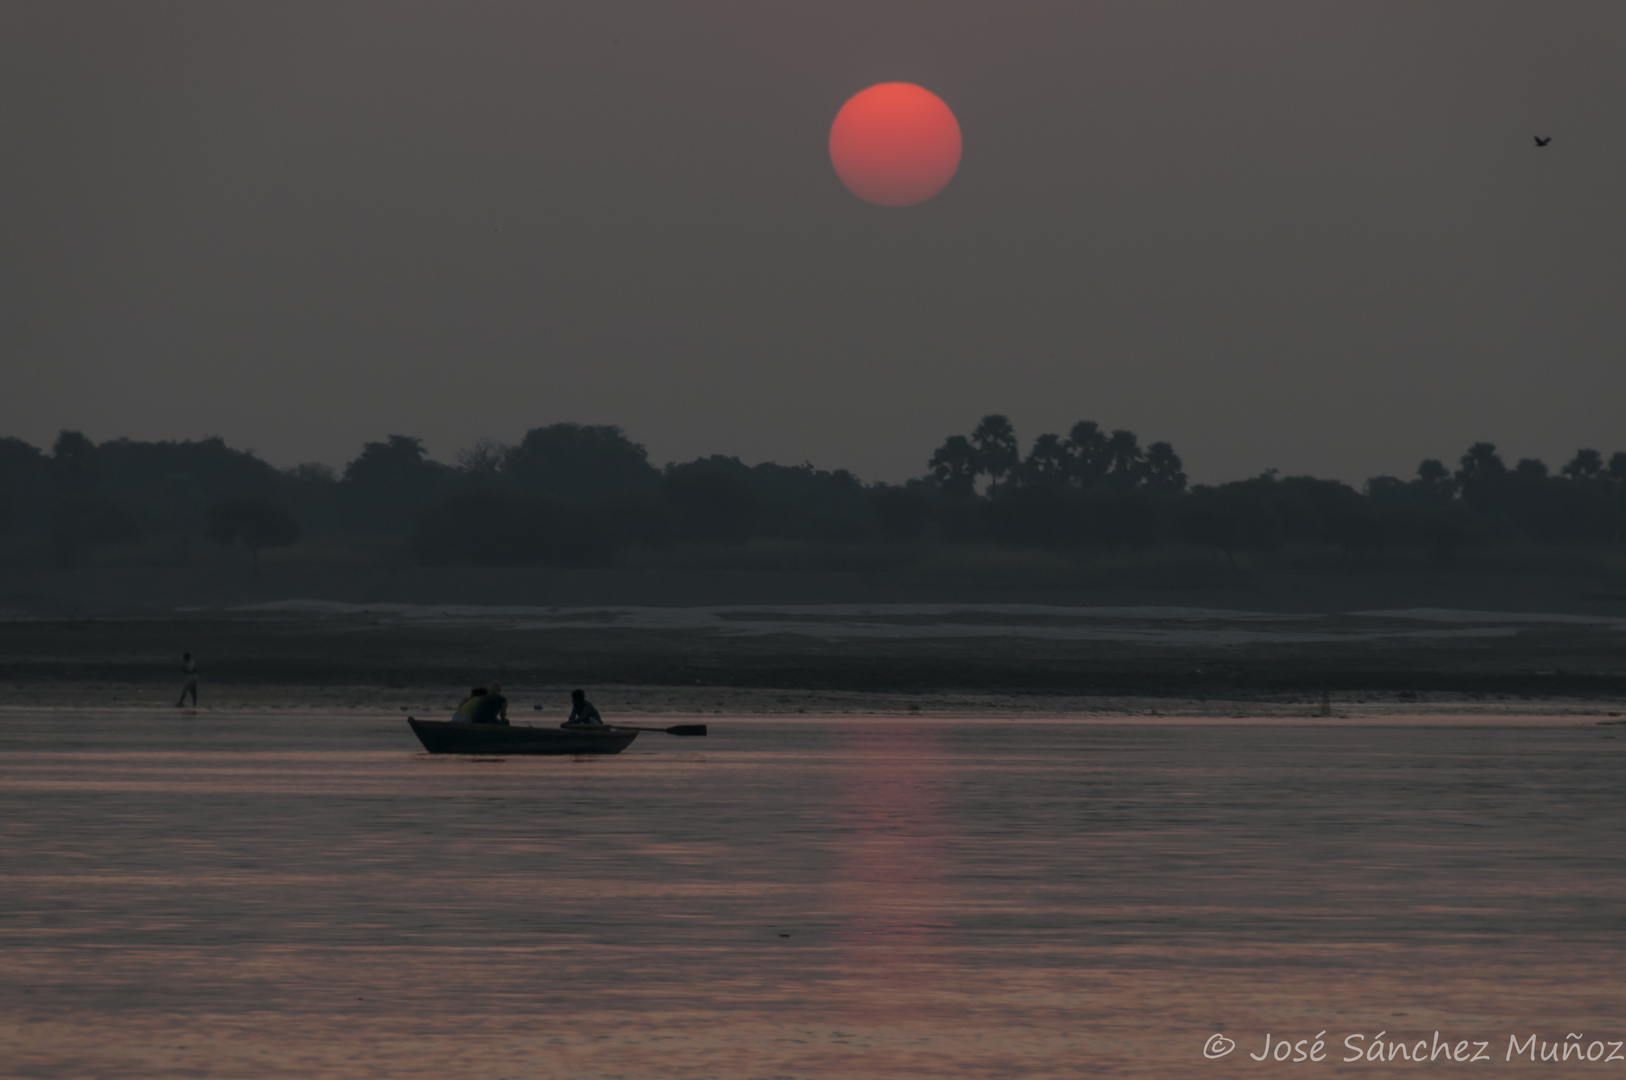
column 446, row 737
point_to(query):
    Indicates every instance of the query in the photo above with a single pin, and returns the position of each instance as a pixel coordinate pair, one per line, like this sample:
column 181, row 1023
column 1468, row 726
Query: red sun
column 895, row 144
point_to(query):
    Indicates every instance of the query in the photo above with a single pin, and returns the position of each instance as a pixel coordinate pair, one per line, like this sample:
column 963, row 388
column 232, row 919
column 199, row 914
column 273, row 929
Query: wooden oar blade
column 687, row 729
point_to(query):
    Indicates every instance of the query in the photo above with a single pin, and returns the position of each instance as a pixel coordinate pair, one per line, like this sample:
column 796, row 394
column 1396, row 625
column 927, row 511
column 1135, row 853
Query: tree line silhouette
column 573, row 495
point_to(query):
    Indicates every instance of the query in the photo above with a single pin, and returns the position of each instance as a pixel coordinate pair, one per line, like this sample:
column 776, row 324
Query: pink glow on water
column 312, row 896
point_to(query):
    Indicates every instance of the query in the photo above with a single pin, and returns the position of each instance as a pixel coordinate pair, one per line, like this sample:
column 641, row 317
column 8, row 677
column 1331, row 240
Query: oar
column 677, row 729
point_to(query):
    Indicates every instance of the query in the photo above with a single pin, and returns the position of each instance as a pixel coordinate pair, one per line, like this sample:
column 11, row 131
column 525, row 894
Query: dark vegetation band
column 573, row 495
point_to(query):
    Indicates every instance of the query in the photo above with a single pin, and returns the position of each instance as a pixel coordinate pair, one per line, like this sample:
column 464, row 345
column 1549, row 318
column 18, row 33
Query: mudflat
column 765, row 659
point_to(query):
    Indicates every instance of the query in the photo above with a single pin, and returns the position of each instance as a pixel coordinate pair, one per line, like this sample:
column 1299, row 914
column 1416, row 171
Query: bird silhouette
column 1543, row 142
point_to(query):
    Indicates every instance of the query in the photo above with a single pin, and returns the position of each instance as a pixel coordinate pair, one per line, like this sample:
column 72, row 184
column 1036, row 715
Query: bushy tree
column 801, row 502
column 712, row 500
column 1087, row 447
column 1229, row 517
column 578, row 463
column 998, row 454
column 390, row 483
column 1482, row 481
column 1586, row 465
column 170, row 485
column 27, row 488
column 1124, row 461
column 499, row 528
column 1434, row 486
column 73, row 462
column 255, row 523
column 314, row 494
column 1163, row 470
column 954, row 466
column 1048, row 464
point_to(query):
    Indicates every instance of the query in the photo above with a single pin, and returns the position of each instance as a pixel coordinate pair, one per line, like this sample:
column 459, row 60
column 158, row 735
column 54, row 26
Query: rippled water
column 281, row 895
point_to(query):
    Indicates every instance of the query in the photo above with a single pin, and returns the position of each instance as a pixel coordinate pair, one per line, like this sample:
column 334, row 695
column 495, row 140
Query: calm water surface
column 310, row 896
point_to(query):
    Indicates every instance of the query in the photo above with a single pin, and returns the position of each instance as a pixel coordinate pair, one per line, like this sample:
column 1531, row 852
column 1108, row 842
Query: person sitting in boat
column 465, row 710
column 492, row 707
column 582, row 713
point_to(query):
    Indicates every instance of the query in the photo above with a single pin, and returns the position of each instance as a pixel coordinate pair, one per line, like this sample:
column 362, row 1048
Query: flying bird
column 1543, row 142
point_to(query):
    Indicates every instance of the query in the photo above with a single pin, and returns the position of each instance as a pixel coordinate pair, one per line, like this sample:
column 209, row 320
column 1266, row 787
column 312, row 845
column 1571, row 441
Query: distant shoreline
column 778, row 705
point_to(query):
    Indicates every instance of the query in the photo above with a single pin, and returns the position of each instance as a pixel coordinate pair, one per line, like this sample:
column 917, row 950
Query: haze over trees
column 580, row 495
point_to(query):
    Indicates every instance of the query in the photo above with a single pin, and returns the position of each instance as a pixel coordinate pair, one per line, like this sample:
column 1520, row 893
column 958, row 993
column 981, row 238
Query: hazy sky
column 1302, row 235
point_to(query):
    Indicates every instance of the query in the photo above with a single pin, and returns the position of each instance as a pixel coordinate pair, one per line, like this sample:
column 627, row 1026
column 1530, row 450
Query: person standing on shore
column 189, row 668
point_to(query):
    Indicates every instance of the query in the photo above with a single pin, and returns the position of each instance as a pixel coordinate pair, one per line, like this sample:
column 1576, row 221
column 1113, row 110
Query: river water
column 300, row 895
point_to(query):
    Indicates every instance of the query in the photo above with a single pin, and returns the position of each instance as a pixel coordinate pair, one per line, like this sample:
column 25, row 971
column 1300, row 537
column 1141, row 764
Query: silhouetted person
column 1543, row 142
column 492, row 707
column 189, row 668
column 582, row 713
column 464, row 714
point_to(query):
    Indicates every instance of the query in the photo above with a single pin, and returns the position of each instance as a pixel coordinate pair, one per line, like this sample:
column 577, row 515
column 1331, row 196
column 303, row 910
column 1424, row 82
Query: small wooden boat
column 447, row 737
